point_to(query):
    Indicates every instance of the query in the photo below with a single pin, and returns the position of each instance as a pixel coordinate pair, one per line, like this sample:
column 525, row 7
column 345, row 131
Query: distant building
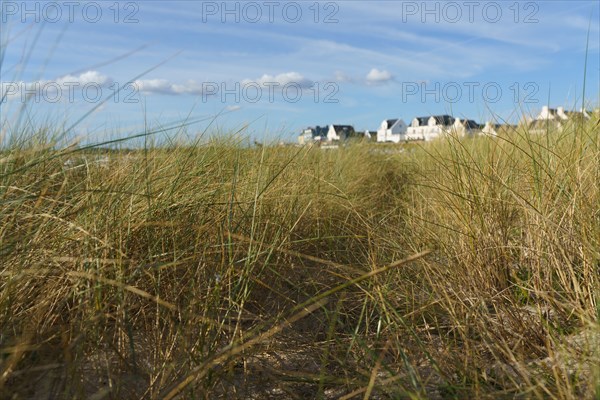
column 312, row 135
column 340, row 132
column 555, row 119
column 370, row 135
column 466, row 127
column 494, row 129
column 490, row 129
column 429, row 128
column 392, row 130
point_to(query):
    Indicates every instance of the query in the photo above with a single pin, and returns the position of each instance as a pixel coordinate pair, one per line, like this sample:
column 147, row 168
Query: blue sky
column 312, row 63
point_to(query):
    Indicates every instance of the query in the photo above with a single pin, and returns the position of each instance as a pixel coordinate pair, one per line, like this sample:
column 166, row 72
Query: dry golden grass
column 218, row 271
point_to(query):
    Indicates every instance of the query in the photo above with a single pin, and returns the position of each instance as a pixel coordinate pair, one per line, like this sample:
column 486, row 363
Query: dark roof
column 317, row 131
column 445, row 120
column 553, row 111
column 391, row 122
column 321, row 130
column 470, row 124
column 422, row 120
column 493, row 125
column 576, row 114
column 343, row 128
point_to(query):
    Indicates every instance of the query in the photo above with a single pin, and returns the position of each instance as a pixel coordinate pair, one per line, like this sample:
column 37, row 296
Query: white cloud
column 67, row 88
column 283, row 79
column 148, row 86
column 89, row 77
column 191, row 87
column 164, row 86
column 377, row 76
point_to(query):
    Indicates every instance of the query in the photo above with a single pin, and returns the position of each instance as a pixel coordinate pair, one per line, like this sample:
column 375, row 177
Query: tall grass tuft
column 463, row 268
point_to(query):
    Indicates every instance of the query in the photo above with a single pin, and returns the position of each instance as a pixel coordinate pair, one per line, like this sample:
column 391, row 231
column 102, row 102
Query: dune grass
column 462, row 268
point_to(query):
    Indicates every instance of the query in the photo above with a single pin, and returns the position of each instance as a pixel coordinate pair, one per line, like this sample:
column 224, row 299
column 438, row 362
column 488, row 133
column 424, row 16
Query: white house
column 490, row 129
column 392, row 130
column 465, row 127
column 554, row 118
column 340, row 132
column 311, row 135
column 552, row 114
column 429, row 128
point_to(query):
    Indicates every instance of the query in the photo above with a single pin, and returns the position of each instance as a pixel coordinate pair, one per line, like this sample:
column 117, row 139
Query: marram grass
column 462, row 268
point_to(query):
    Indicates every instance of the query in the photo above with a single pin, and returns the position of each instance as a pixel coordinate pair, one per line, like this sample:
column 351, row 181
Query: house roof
column 315, row 131
column 422, row 120
column 391, row 122
column 576, row 114
column 343, row 128
column 471, row 124
column 506, row 126
column 445, row 120
column 321, row 130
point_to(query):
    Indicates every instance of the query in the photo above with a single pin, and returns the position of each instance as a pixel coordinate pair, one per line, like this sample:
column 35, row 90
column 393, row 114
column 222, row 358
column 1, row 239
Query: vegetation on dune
column 463, row 268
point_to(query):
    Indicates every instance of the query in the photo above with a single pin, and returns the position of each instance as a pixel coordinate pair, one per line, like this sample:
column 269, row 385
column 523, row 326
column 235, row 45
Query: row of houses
column 429, row 128
column 328, row 133
column 432, row 127
column 558, row 118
